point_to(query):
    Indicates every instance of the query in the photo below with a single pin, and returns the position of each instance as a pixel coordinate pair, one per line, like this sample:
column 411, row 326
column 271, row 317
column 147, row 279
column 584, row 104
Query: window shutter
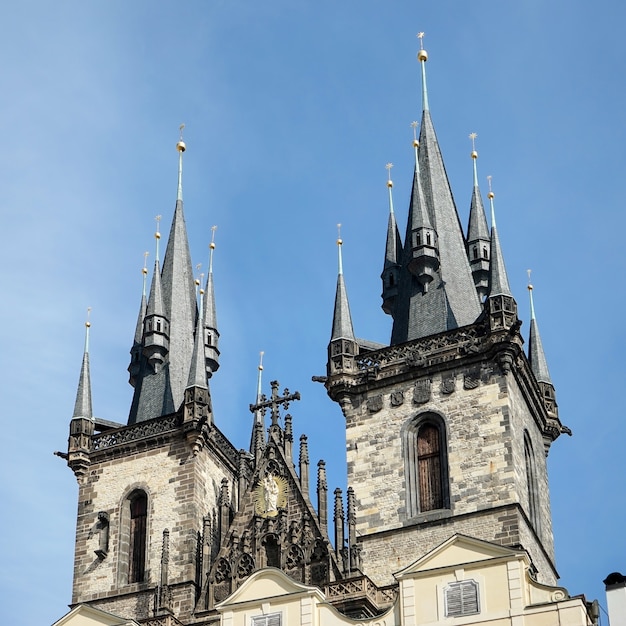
column 462, row 598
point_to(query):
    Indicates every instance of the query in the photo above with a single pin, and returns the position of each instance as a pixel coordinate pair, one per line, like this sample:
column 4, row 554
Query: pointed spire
column 393, row 254
column 197, row 371
column 444, row 297
column 211, row 350
column 257, row 419
column 536, row 355
column 134, row 367
column 342, row 321
column 498, row 280
column 422, row 57
column 179, row 299
column 82, row 406
column 478, row 239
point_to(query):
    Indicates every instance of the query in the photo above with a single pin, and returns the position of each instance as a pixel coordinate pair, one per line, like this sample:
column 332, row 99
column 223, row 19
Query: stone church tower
column 448, row 427
column 447, row 433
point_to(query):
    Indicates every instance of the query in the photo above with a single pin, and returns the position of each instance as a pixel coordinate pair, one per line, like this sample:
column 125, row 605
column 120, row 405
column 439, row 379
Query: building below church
column 447, row 516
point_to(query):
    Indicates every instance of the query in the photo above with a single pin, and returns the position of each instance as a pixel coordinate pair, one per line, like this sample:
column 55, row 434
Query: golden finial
column 198, row 281
column 157, row 234
column 87, row 322
column 87, row 327
column 180, row 146
column 530, row 285
column 389, row 181
column 490, row 195
column 260, row 368
column 414, row 126
column 212, row 244
column 144, row 271
column 422, row 55
column 474, row 154
column 339, row 239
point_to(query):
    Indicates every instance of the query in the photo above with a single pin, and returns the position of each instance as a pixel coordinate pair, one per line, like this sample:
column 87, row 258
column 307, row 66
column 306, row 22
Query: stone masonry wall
column 485, row 415
column 181, row 490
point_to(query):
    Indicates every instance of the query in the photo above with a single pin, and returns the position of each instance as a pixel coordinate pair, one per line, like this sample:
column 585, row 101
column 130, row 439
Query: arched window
column 138, row 504
column 475, row 251
column 485, row 253
column 531, row 483
column 426, row 467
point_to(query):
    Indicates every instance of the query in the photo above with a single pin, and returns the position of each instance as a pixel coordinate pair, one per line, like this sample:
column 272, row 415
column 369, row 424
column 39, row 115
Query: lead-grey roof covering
column 536, row 355
column 498, row 280
column 82, row 406
column 342, row 320
column 172, row 290
column 451, row 299
column 393, row 246
column 209, row 313
column 477, row 229
column 197, row 370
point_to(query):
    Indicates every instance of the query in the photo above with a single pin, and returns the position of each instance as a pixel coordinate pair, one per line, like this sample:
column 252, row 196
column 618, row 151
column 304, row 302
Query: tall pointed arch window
column 531, row 483
column 138, row 503
column 426, row 464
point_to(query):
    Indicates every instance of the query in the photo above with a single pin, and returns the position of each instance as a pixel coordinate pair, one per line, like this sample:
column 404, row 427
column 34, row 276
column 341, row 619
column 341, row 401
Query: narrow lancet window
column 531, row 483
column 137, row 540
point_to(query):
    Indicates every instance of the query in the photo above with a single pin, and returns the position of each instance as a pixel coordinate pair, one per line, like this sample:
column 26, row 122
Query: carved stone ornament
column 270, row 495
column 471, row 380
column 375, row 404
column 448, row 384
column 397, row 398
column 421, row 391
column 414, row 359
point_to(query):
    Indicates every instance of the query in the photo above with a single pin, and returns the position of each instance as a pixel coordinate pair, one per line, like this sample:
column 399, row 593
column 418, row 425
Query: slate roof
column 498, row 280
column 451, row 299
column 536, row 355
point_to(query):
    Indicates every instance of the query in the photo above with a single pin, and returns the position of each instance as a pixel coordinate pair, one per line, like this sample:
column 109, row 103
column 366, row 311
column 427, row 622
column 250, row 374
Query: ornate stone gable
column 275, row 526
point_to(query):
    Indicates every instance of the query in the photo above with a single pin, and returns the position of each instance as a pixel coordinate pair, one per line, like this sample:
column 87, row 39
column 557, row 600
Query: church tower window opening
column 462, row 598
column 426, row 466
column 138, row 504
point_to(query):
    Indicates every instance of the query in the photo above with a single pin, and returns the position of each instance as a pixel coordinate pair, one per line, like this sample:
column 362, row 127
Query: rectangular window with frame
column 462, row 598
column 273, row 619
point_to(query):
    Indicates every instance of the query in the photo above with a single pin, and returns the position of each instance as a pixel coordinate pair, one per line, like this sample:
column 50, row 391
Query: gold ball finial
column 261, row 361
column 339, row 239
column 473, row 154
column 389, row 181
column 416, row 143
column 422, row 55
column 180, row 146
column 87, row 322
column 530, row 286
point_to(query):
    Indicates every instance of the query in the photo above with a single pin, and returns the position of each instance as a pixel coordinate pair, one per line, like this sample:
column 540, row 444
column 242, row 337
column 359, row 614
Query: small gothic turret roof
column 393, row 245
column 498, row 280
column 536, row 355
column 342, row 320
column 82, row 406
column 197, row 370
column 477, row 229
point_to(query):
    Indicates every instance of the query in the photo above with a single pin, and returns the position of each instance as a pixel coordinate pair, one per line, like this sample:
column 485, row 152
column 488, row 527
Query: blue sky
column 292, row 109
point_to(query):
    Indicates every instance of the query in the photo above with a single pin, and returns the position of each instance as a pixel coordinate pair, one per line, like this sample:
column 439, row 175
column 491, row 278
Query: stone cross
column 274, row 402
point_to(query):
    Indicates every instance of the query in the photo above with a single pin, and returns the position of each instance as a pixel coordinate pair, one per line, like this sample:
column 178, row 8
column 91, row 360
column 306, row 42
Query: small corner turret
column 393, row 255
column 478, row 239
column 343, row 347
column 82, row 422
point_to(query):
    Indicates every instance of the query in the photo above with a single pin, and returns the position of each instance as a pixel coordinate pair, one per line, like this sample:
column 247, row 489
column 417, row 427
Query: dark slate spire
column 498, row 280
column 197, row 371
column 134, row 367
column 393, row 254
column 179, row 298
column 478, row 239
column 212, row 335
column 450, row 299
column 82, row 406
column 342, row 321
column 536, row 355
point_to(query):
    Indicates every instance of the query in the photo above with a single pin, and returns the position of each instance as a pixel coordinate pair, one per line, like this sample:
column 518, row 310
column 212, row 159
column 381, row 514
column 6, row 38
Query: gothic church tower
column 449, row 426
